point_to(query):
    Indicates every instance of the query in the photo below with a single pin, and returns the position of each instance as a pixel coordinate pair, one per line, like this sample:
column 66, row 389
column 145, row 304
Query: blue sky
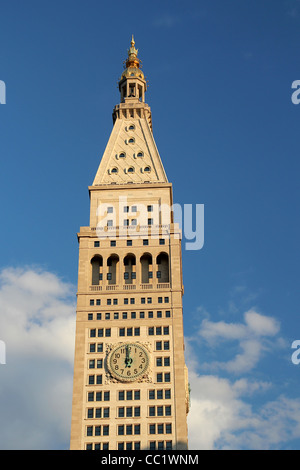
column 220, row 76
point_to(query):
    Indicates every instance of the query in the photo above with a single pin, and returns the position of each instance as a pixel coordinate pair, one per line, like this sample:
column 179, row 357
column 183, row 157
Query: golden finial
column 132, row 60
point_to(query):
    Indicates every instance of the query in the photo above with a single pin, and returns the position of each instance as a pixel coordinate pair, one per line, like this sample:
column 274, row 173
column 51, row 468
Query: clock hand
column 128, row 359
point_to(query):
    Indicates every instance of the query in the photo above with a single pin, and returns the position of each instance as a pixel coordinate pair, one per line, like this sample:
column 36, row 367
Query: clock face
column 128, row 361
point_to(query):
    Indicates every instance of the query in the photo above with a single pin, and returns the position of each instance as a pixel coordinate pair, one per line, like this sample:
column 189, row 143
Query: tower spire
column 132, row 60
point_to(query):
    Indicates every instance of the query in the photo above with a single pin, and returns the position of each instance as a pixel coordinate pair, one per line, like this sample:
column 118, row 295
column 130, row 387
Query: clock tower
column 130, row 389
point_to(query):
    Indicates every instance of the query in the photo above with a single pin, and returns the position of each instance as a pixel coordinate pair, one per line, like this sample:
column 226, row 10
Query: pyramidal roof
column 131, row 155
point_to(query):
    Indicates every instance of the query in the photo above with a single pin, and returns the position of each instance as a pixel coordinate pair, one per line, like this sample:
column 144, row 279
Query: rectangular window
column 99, row 316
column 152, row 429
column 159, row 378
column 98, row 302
column 91, row 379
column 107, row 316
column 113, row 243
column 143, row 300
column 132, row 301
column 149, row 208
column 125, row 301
column 145, row 242
column 90, row 316
column 116, row 316
column 137, row 429
column 110, row 223
column 92, row 302
column 109, row 276
column 126, row 208
column 137, row 332
column 150, row 221
column 169, row 428
column 110, row 210
column 96, row 244
column 162, row 241
column 115, row 301
column 126, row 222
column 124, row 315
column 160, row 429
column 166, row 330
column 134, row 209
column 129, row 242
column 160, row 299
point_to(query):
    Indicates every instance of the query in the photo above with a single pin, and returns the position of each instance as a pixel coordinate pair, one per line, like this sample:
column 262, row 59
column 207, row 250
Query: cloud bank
column 37, row 324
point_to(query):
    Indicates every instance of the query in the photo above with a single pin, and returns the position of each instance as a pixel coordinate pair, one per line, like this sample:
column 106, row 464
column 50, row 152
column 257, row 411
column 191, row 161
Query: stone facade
column 130, row 293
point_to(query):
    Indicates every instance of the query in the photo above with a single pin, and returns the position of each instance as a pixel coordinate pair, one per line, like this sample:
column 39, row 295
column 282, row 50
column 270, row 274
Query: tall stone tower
column 130, row 386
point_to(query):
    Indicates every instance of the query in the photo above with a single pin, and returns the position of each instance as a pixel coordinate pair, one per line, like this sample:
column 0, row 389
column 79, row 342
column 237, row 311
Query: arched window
column 146, row 268
column 129, row 271
column 112, row 263
column 162, row 273
column 97, row 264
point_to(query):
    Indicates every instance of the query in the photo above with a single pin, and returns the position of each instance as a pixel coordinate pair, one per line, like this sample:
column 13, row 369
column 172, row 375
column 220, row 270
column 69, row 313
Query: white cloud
column 243, row 413
column 223, row 417
column 253, row 337
column 37, row 324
